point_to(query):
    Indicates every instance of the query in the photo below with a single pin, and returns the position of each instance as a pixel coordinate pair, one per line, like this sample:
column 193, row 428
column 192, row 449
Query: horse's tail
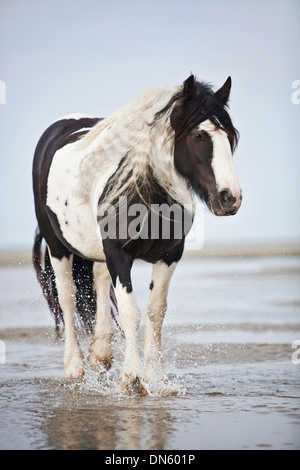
column 46, row 278
column 86, row 302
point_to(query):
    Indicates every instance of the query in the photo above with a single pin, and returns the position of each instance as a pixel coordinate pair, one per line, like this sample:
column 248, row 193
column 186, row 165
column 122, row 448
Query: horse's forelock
column 186, row 113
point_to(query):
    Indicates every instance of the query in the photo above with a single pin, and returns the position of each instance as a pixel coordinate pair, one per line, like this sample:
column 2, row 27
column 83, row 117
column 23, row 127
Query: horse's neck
column 127, row 133
column 162, row 164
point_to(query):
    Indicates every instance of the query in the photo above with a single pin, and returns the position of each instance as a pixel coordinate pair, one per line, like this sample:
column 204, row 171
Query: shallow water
column 227, row 345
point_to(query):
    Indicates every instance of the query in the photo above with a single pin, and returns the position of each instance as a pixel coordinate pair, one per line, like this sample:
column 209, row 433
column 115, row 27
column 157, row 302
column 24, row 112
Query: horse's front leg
column 156, row 309
column 129, row 317
column 119, row 265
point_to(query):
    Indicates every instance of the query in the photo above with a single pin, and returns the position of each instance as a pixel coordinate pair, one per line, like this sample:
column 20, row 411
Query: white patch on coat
column 77, row 215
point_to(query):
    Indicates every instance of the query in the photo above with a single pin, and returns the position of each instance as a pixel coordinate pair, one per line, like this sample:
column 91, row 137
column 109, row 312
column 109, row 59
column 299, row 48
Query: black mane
column 193, row 108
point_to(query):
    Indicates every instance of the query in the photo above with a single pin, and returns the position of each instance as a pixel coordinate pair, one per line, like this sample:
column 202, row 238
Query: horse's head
column 204, row 143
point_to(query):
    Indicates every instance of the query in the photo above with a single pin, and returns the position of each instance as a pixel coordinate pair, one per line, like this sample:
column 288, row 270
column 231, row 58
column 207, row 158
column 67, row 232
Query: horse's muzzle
column 228, row 203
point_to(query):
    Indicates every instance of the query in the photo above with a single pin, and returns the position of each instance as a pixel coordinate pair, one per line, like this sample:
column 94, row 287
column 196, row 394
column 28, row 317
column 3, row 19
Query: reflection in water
column 126, row 425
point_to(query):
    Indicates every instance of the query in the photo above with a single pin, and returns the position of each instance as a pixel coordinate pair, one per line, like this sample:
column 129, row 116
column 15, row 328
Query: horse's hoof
column 100, row 364
column 73, row 365
column 74, row 372
column 101, row 355
column 133, row 386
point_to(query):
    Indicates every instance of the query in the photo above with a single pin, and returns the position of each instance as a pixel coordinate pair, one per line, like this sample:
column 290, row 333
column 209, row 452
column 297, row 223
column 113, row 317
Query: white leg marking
column 129, row 317
column 73, row 359
column 101, row 351
column 157, row 306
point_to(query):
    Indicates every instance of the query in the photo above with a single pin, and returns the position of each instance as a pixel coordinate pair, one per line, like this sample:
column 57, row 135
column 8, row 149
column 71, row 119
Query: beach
column 229, row 347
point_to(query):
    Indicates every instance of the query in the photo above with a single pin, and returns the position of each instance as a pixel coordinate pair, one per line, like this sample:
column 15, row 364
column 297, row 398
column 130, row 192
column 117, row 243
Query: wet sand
column 227, row 345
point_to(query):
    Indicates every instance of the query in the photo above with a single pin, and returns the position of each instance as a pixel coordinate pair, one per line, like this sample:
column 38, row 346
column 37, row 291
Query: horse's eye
column 197, row 137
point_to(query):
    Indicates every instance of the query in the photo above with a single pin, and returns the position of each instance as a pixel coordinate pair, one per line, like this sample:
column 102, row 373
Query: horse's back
column 59, row 135
column 62, row 132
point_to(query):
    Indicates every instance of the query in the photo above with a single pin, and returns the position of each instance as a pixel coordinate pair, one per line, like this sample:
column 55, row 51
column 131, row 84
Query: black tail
column 86, row 302
column 46, row 278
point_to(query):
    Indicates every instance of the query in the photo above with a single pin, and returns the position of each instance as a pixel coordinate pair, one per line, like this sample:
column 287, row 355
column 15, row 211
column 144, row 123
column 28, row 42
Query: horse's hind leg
column 101, row 351
column 66, row 290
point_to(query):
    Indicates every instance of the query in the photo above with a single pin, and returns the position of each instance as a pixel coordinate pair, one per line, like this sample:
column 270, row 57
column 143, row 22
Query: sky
column 92, row 56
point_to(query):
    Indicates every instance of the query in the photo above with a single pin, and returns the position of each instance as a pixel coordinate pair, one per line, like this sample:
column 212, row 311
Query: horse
column 168, row 147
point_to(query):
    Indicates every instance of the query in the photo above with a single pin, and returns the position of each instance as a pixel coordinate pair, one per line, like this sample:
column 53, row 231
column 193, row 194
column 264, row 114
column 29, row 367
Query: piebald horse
column 163, row 149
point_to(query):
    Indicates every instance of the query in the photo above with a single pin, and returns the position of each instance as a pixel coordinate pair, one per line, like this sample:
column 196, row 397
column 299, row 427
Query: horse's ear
column 190, row 87
column 223, row 93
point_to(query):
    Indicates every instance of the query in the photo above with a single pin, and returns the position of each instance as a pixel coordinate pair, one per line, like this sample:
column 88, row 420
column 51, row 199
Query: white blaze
column 222, row 161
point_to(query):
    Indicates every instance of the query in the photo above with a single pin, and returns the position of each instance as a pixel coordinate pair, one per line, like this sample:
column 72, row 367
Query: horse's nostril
column 226, row 198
